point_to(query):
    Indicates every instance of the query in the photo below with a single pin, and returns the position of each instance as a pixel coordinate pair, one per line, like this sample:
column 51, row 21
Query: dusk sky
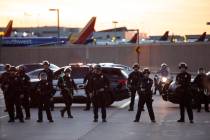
column 151, row 16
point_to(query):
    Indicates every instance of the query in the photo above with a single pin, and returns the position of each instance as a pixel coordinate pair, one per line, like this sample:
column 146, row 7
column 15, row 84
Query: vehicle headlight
column 164, row 79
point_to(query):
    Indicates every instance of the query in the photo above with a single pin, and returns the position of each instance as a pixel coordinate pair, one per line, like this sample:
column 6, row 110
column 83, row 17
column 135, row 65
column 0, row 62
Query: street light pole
column 58, row 24
column 138, row 46
column 115, row 26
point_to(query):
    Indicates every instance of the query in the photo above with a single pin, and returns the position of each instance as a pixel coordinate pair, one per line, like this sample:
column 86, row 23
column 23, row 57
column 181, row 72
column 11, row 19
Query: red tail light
column 122, row 82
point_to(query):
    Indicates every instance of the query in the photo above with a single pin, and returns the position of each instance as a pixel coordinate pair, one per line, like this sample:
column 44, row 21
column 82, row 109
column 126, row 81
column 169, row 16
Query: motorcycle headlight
column 164, row 79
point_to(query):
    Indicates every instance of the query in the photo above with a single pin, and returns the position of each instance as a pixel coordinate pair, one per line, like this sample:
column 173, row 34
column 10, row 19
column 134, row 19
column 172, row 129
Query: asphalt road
column 120, row 125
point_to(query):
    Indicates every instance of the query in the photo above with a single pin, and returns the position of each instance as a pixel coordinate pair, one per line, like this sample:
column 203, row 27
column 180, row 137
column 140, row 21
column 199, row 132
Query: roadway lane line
column 3, row 116
column 127, row 103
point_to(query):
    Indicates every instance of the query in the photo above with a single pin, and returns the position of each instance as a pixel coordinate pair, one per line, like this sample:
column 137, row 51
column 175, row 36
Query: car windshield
column 77, row 72
column 31, row 67
column 53, row 66
column 34, row 74
column 114, row 73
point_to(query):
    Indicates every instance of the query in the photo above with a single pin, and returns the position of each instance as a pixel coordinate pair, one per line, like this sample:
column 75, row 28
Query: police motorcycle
column 173, row 97
column 163, row 79
column 162, row 83
column 207, row 86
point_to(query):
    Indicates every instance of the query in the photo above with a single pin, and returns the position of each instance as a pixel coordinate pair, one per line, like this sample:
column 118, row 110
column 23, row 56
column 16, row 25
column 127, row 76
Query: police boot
column 51, row 121
column 104, row 120
column 62, row 113
column 95, row 120
column 39, row 121
column 11, row 120
column 70, row 116
column 181, row 120
column 21, row 120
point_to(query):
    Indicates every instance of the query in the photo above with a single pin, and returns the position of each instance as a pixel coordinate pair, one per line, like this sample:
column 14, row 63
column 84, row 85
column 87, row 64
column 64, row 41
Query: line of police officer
column 16, row 88
column 141, row 83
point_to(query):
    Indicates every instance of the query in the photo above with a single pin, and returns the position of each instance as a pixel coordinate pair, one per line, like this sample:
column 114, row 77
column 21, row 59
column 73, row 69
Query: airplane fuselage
column 31, row 41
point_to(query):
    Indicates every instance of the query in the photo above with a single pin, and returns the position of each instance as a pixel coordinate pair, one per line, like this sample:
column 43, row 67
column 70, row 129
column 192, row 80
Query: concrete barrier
column 152, row 55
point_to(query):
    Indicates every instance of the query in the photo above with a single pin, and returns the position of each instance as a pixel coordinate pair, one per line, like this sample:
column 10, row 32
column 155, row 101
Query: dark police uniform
column 184, row 79
column 25, row 90
column 49, row 73
column 199, row 83
column 99, row 88
column 43, row 89
column 86, row 81
column 145, row 96
column 67, row 86
column 12, row 96
column 4, row 79
column 133, row 82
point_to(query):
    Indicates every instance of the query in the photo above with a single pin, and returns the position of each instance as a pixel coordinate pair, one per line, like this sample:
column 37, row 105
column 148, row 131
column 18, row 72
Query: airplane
column 80, row 38
column 165, row 36
column 8, row 30
column 193, row 38
column 202, row 37
column 133, row 40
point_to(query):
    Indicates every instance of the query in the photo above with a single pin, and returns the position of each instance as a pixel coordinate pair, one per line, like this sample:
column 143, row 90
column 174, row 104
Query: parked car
column 117, row 77
column 35, row 66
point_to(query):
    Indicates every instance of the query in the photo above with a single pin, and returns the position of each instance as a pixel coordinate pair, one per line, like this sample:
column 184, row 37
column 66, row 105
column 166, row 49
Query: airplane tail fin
column 134, row 39
column 8, row 29
column 202, row 37
column 86, row 32
column 165, row 36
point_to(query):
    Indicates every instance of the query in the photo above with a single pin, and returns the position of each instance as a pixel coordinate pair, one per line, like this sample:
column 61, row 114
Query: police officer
column 199, row 84
column 43, row 90
column 67, row 86
column 99, row 88
column 133, row 80
column 145, row 95
column 86, row 82
column 25, row 91
column 183, row 80
column 13, row 95
column 163, row 72
column 46, row 66
column 4, row 80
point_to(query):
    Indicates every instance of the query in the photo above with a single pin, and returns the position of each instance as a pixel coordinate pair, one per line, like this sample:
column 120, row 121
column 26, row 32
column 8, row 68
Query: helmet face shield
column 98, row 69
column 7, row 67
column 46, row 64
column 67, row 74
column 183, row 66
column 146, row 72
column 43, row 76
column 13, row 70
column 136, row 66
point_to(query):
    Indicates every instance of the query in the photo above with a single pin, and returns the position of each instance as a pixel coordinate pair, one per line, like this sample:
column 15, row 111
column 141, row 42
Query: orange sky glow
column 151, row 16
